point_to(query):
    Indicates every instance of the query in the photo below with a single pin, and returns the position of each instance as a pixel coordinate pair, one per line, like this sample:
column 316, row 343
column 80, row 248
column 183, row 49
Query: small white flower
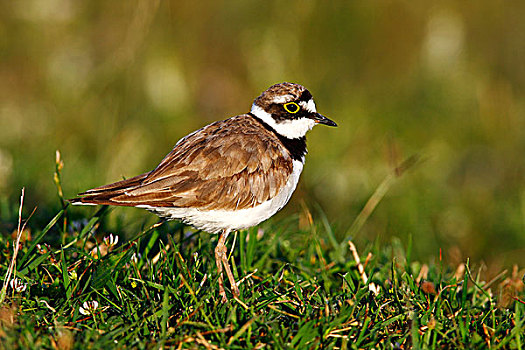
column 136, row 257
column 43, row 248
column 89, row 307
column 195, row 256
column 111, row 240
column 17, row 285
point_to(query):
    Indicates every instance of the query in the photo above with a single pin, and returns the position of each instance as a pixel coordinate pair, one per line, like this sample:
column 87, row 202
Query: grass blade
column 41, row 235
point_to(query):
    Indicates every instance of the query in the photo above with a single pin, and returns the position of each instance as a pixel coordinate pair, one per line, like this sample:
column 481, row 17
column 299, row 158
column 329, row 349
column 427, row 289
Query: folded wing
column 231, row 164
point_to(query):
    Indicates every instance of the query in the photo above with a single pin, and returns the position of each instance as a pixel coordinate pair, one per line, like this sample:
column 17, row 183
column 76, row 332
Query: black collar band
column 296, row 147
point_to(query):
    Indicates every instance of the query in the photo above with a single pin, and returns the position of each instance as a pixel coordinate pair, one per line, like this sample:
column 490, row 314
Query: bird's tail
column 103, row 195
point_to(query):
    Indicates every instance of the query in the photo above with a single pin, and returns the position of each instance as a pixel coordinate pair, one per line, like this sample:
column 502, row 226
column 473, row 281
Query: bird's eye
column 291, row 107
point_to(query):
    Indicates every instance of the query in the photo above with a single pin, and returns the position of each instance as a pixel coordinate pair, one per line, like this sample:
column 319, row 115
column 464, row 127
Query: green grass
column 114, row 85
column 299, row 290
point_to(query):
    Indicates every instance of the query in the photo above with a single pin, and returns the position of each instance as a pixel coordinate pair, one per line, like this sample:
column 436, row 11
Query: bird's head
column 289, row 109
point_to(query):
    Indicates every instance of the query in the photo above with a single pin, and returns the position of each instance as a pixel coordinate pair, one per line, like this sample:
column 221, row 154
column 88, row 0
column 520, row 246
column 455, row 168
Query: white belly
column 214, row 221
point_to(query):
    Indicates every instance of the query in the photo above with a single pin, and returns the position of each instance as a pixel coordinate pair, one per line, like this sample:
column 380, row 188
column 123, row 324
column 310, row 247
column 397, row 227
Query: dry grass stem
column 16, row 247
column 372, row 287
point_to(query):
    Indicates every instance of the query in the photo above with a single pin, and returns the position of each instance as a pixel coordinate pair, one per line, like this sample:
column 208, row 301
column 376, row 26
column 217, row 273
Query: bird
column 229, row 175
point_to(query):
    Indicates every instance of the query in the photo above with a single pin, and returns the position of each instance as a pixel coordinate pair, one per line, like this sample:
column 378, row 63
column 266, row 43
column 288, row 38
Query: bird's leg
column 221, row 258
column 220, row 251
column 235, row 288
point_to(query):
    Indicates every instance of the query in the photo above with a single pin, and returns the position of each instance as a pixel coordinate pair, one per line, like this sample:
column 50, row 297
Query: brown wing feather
column 231, row 164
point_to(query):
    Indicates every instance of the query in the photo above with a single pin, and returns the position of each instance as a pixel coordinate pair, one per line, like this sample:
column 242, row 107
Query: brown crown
column 282, row 93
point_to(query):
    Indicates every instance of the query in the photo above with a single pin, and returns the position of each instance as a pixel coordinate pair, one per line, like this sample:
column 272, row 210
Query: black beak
column 321, row 119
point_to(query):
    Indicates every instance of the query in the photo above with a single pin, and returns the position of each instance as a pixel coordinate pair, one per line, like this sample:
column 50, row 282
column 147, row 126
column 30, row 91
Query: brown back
column 231, row 164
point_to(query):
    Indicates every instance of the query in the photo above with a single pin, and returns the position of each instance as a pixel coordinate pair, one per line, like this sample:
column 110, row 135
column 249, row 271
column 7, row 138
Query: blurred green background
column 114, row 84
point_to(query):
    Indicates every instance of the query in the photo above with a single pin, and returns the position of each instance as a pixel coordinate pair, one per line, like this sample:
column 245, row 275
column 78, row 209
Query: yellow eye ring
column 292, row 107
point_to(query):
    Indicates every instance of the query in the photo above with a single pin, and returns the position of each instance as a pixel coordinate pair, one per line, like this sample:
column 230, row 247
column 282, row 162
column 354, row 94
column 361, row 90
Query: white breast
column 214, row 221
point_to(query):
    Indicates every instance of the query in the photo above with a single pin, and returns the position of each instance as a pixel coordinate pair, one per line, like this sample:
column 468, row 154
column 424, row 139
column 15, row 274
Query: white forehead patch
column 291, row 129
column 282, row 99
column 309, row 106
